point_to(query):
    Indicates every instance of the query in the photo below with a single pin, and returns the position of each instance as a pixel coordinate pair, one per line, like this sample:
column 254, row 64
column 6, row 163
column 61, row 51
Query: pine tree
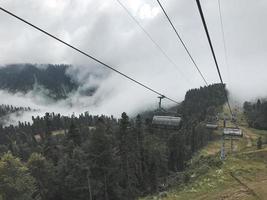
column 127, row 157
column 74, row 134
column 16, row 182
column 140, row 150
column 177, row 152
column 44, row 173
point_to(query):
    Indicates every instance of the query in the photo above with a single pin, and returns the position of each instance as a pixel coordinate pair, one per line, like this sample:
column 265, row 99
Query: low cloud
column 104, row 30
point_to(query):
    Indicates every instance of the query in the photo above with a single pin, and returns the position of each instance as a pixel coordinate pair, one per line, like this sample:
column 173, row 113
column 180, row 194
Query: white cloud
column 146, row 11
column 104, row 30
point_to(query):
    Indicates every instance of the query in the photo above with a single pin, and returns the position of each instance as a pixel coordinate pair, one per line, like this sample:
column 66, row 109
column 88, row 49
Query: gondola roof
column 166, row 121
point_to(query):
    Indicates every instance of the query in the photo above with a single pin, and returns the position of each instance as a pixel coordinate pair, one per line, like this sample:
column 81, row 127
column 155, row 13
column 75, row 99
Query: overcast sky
column 103, row 29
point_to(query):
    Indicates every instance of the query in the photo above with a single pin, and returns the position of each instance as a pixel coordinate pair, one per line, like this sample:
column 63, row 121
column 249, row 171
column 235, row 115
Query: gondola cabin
column 233, row 132
column 212, row 126
column 166, row 122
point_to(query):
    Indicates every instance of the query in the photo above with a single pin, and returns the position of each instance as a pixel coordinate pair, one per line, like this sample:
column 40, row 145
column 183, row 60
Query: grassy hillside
column 243, row 175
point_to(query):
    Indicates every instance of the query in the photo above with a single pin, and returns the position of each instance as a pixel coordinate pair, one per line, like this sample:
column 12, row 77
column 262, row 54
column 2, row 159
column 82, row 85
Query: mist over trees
column 7, row 110
column 53, row 79
column 101, row 157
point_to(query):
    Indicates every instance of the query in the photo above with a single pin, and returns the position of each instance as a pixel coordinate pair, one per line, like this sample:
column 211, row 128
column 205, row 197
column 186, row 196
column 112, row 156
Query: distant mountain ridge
column 26, row 77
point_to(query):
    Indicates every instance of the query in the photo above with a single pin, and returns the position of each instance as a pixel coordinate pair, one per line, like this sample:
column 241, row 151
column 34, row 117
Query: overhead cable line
column 87, row 55
column 183, row 43
column 151, row 39
column 223, row 37
column 212, row 50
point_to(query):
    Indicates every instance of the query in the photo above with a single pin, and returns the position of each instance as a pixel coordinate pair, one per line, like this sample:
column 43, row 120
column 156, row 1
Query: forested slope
column 241, row 176
column 256, row 114
column 24, row 77
column 100, row 157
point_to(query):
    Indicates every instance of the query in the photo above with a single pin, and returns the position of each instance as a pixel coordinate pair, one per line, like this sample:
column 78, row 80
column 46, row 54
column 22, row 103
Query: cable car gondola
column 232, row 132
column 164, row 119
column 212, row 126
column 212, row 122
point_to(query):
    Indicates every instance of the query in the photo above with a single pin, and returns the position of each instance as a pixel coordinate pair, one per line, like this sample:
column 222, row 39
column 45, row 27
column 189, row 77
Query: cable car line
column 212, row 50
column 183, row 43
column 223, row 38
column 87, row 55
column 152, row 40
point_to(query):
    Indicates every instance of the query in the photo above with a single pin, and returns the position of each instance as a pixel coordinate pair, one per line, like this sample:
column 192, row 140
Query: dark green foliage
column 24, row 77
column 156, row 162
column 100, row 157
column 43, row 171
column 103, row 166
column 177, row 151
column 15, row 181
column 74, row 134
column 127, row 156
column 199, row 102
column 201, row 105
column 256, row 114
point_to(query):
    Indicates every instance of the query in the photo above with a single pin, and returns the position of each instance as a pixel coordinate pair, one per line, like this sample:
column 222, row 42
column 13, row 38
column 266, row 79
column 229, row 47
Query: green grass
column 259, row 132
column 217, row 182
column 248, row 165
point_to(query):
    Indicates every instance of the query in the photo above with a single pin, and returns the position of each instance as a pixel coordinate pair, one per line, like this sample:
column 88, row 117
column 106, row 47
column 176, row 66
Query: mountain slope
column 25, row 77
column 243, row 175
